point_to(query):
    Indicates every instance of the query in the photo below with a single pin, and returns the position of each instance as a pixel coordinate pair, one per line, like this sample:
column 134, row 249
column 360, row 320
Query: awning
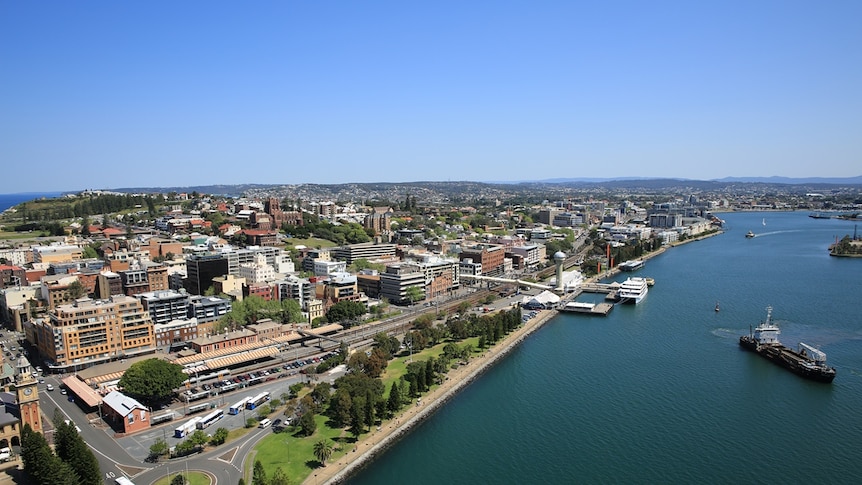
column 83, row 391
column 230, row 360
column 113, row 376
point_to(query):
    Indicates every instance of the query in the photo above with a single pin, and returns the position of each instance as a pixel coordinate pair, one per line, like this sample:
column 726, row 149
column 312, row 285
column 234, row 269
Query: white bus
column 210, row 418
column 257, row 400
column 264, row 423
column 187, row 427
column 123, row 481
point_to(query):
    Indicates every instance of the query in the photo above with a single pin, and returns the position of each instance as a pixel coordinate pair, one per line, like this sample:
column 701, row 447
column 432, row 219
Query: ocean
column 661, row 392
column 11, row 200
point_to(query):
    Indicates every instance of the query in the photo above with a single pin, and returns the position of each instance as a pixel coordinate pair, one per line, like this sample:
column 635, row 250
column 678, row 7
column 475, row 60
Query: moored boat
column 633, row 290
column 806, row 361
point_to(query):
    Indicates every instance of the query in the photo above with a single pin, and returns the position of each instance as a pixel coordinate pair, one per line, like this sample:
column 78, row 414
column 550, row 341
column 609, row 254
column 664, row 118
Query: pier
column 598, row 309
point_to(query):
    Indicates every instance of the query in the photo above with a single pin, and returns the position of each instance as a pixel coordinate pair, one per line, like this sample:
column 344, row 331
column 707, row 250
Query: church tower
column 28, row 395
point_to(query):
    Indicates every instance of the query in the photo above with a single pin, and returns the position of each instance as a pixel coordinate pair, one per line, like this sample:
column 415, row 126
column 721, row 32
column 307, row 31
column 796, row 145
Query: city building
column 11, row 275
column 201, row 269
column 126, row 415
column 165, row 305
column 175, row 333
column 89, row 332
column 491, row 257
column 397, row 278
column 367, row 251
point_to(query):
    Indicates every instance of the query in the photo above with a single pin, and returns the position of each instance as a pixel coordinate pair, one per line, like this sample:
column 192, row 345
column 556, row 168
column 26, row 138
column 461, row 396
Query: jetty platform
column 599, row 309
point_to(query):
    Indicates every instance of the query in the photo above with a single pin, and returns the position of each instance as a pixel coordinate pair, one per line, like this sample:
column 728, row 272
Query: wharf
column 599, row 309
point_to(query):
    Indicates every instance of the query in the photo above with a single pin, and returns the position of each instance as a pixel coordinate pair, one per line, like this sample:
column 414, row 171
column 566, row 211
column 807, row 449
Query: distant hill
column 796, row 181
column 466, row 191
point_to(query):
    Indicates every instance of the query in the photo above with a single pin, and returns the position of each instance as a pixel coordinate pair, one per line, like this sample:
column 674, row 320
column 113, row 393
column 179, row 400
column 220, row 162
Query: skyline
column 162, row 94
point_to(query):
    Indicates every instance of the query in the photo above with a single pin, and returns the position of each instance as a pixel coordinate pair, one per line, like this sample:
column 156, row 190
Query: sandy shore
column 390, row 431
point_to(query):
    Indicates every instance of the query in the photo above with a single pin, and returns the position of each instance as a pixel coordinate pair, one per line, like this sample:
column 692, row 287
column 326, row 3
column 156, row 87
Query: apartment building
column 89, row 332
column 491, row 257
column 397, row 278
column 165, row 305
column 341, row 287
column 369, row 251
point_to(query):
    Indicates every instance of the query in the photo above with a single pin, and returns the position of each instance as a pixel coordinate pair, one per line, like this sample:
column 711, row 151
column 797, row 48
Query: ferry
column 633, row 290
column 806, row 361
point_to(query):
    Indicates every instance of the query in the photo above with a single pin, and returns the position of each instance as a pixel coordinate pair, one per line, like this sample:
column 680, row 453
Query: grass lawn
column 193, row 478
column 22, row 235
column 311, row 242
column 294, row 453
column 397, row 367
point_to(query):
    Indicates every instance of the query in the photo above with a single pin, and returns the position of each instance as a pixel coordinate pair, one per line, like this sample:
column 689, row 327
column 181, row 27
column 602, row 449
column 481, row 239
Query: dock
column 599, row 309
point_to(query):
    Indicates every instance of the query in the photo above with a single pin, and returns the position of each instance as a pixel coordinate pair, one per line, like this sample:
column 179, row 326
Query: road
column 126, row 455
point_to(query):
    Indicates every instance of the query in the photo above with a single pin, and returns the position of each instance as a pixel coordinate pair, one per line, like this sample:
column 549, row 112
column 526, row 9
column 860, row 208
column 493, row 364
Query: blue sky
column 106, row 94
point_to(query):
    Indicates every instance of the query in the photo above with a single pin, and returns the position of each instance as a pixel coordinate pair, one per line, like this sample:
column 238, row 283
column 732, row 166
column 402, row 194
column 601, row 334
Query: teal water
column 661, row 392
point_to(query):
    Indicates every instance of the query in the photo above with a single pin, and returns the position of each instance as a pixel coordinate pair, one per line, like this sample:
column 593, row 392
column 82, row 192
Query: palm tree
column 322, row 451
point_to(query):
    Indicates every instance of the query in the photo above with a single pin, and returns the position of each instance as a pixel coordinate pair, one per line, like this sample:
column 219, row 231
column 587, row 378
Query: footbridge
column 506, row 280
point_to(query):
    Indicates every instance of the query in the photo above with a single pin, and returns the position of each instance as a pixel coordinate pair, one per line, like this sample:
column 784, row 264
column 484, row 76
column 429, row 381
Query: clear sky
column 109, row 94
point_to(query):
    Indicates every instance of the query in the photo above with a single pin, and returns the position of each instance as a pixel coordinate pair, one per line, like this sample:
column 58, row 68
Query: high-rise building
column 201, row 269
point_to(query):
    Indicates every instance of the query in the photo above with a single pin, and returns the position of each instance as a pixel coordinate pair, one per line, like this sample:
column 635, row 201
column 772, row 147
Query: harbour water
column 661, row 392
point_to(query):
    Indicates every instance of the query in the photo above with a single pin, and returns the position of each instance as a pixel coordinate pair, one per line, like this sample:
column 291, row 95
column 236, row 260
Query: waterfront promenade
column 456, row 379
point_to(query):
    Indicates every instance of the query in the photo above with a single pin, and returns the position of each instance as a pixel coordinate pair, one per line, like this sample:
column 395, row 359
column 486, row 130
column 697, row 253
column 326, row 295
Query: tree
column 279, row 477
column 152, row 380
column 414, row 293
column 72, row 449
column 323, row 451
column 179, row 479
column 76, row 290
column 158, row 448
column 307, row 424
column 219, row 437
column 258, row 476
column 199, row 438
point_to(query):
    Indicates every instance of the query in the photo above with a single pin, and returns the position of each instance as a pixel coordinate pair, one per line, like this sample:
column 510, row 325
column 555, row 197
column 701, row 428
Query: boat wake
column 771, row 233
column 726, row 333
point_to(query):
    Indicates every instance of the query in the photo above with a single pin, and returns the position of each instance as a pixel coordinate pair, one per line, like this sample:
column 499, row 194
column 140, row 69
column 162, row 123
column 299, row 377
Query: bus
column 123, row 481
column 210, row 418
column 186, row 427
column 257, row 400
column 228, row 387
column 198, row 408
column 238, row 407
column 198, row 395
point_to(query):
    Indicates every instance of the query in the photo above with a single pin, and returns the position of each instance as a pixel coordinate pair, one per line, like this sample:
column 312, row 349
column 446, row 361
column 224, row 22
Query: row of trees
column 254, row 308
column 73, row 463
column 83, row 206
column 343, row 233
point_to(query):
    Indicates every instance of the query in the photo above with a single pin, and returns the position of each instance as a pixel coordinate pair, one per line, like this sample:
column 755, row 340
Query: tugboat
column 749, row 234
column 807, row 361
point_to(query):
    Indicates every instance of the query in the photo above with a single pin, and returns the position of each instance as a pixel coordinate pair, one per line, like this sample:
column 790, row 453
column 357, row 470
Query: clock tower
column 28, row 395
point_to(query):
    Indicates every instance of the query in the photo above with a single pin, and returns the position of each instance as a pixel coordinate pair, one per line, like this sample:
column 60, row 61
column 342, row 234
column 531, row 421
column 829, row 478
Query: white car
column 49, row 387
